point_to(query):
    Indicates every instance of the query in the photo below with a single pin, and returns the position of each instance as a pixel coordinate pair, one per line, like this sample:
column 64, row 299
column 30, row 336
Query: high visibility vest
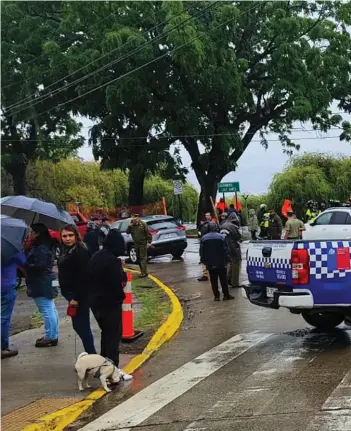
column 314, row 217
column 265, row 220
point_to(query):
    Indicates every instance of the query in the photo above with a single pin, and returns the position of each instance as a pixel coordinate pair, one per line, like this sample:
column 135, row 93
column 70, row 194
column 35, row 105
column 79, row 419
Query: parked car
column 81, row 223
column 168, row 236
column 333, row 223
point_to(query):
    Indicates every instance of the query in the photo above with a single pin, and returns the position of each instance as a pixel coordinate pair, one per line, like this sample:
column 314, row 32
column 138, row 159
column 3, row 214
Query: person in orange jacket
column 222, row 206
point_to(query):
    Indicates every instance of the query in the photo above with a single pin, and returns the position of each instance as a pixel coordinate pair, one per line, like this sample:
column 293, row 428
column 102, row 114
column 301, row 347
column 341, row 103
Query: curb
column 59, row 420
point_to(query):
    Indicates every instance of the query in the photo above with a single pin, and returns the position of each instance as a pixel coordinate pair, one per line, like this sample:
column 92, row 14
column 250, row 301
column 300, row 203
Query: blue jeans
column 7, row 305
column 49, row 314
column 81, row 324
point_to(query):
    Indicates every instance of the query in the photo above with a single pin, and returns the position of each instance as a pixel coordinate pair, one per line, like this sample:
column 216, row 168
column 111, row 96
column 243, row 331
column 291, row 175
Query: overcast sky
column 257, row 165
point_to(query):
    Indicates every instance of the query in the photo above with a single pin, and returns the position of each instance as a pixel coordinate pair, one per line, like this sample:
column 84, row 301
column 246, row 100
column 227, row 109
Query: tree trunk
column 208, row 190
column 18, row 173
column 136, row 186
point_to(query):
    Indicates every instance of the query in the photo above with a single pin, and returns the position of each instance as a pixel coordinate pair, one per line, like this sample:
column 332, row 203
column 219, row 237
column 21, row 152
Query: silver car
column 168, row 236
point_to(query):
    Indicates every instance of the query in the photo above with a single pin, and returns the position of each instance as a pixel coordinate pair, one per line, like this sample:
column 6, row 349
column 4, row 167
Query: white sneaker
column 124, row 376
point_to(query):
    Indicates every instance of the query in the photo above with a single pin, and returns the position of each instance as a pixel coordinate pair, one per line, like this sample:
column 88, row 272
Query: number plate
column 270, row 291
column 169, row 235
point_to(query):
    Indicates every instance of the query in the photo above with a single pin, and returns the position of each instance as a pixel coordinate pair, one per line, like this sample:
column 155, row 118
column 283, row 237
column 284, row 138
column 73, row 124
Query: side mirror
column 313, row 223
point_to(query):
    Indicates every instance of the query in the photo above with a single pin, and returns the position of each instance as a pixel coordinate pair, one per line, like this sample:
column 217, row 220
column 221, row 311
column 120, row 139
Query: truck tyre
column 132, row 255
column 323, row 320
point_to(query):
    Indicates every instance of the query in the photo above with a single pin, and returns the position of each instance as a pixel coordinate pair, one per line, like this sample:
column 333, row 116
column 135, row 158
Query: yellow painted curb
column 61, row 419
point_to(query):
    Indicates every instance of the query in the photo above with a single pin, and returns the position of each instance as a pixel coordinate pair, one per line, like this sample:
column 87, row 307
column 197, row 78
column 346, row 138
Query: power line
column 140, row 67
column 45, row 96
column 178, row 137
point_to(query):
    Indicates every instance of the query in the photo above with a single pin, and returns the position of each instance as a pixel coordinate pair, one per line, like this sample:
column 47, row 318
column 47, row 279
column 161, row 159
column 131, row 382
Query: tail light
column 181, row 227
column 153, row 231
column 300, row 263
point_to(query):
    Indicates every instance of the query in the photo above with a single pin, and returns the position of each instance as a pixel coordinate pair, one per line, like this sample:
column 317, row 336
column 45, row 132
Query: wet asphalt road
column 232, row 366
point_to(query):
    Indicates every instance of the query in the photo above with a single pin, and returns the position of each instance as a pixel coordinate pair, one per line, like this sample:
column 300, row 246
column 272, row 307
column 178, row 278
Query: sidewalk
column 40, row 381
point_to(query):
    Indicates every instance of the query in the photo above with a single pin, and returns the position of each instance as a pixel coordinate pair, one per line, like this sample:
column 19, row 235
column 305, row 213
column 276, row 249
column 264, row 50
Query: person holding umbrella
column 40, row 287
column 12, row 235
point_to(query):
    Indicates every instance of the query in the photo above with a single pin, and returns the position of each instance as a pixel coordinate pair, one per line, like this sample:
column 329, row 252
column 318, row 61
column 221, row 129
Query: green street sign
column 228, row 187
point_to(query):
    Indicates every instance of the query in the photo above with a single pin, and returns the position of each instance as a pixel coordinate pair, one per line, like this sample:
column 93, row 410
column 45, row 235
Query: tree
column 311, row 177
column 253, row 67
column 31, row 128
column 127, row 134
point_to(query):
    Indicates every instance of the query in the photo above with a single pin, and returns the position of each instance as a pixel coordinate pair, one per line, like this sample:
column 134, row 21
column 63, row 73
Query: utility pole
column 245, row 196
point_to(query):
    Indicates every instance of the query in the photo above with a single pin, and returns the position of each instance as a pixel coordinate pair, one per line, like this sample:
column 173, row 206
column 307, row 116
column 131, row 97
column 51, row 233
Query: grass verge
column 155, row 305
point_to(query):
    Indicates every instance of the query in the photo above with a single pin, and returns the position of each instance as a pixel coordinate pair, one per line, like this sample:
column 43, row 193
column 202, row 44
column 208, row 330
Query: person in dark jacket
column 214, row 254
column 40, row 286
column 93, row 237
column 106, row 294
column 73, row 274
column 230, row 229
column 203, row 229
column 275, row 226
column 8, row 298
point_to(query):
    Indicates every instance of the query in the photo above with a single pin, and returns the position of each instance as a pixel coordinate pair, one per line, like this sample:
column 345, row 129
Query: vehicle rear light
column 181, row 227
column 153, row 231
column 300, row 264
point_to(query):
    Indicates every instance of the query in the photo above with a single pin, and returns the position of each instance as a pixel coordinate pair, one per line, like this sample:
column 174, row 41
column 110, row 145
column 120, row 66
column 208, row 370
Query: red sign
column 343, row 260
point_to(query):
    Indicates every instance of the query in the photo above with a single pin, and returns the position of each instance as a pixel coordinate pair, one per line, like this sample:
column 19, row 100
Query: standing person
column 141, row 236
column 252, row 224
column 203, row 230
column 39, row 279
column 293, row 227
column 222, row 206
column 230, row 229
column 91, row 238
column 8, row 298
column 73, row 274
column 105, row 227
column 275, row 225
column 214, row 254
column 263, row 219
column 106, row 295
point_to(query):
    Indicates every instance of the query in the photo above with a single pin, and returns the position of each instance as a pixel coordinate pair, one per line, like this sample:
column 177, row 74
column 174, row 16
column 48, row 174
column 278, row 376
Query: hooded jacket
column 107, row 277
column 230, row 228
column 252, row 221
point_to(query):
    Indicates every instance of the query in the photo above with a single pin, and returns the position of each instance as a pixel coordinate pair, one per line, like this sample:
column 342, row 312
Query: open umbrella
column 13, row 233
column 33, row 210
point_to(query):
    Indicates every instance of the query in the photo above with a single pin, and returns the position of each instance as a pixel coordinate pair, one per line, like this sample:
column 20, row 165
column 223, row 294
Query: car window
column 323, row 219
column 163, row 224
column 339, row 217
column 124, row 226
column 116, row 225
column 348, row 219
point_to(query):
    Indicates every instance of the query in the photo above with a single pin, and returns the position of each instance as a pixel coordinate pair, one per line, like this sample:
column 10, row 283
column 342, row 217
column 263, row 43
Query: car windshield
column 163, row 224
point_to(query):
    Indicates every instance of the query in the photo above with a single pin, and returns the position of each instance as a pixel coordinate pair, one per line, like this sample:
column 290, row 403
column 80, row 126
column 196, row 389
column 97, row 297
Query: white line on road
column 335, row 414
column 150, row 400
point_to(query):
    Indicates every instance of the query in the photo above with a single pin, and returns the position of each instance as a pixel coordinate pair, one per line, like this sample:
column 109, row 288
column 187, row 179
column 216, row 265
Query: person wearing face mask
column 73, row 270
column 39, row 280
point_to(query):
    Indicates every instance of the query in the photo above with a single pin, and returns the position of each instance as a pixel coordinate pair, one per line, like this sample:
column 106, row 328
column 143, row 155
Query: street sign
column 228, row 187
column 177, row 187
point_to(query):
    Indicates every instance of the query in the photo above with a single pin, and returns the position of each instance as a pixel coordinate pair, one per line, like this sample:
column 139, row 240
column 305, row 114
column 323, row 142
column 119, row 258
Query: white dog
column 99, row 367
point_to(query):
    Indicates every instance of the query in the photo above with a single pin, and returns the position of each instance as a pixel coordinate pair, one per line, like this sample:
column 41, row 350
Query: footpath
column 38, row 382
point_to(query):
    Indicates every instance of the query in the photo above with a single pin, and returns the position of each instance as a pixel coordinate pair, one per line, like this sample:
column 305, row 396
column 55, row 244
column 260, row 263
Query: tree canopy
column 312, row 176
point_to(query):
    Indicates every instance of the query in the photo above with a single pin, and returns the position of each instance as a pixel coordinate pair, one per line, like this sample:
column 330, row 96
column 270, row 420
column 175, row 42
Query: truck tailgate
column 269, row 262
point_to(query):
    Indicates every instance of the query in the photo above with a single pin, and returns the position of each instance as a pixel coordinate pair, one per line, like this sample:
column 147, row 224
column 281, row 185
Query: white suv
column 333, row 223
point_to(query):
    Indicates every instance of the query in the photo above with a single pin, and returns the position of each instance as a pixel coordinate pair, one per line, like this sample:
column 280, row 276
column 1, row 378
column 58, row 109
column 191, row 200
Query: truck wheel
column 133, row 255
column 323, row 320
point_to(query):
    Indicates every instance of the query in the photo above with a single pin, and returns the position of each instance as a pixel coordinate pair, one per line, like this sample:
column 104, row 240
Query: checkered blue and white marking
column 318, row 251
column 274, row 262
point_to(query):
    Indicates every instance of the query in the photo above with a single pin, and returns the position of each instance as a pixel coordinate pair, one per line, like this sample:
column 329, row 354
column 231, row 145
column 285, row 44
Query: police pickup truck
column 311, row 278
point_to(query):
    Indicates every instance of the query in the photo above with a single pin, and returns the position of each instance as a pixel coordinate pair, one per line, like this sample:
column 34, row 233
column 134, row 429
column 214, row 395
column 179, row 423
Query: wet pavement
column 232, row 366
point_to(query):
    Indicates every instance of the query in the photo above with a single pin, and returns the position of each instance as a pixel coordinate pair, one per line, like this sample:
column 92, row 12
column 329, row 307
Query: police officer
column 311, row 212
column 263, row 218
column 141, row 236
column 293, row 227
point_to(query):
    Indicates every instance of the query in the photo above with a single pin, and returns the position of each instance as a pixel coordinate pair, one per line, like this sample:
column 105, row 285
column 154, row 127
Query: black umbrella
column 13, row 233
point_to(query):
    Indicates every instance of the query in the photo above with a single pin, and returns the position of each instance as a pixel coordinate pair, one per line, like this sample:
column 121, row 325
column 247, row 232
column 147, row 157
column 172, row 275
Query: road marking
column 335, row 414
column 150, row 400
column 262, row 387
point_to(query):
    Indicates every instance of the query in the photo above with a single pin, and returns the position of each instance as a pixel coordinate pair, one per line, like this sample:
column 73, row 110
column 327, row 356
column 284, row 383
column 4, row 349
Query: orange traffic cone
column 128, row 333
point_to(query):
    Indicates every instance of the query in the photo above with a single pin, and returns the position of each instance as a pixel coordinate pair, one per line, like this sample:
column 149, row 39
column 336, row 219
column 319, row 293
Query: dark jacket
column 92, row 240
column 214, row 251
column 107, row 277
column 39, row 274
column 230, row 229
column 275, row 227
column 73, row 267
column 204, row 227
